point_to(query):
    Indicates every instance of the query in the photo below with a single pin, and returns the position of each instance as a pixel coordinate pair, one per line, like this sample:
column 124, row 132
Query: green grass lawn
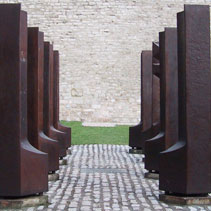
column 98, row 135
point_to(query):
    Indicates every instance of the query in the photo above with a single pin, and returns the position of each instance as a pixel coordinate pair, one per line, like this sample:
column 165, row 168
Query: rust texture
column 49, row 128
column 168, row 100
column 23, row 168
column 147, row 128
column 56, row 121
column 156, row 87
column 135, row 133
column 35, row 99
column 185, row 168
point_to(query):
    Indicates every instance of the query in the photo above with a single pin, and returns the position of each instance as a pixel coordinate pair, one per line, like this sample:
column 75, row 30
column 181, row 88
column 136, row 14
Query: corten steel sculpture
column 56, row 122
column 155, row 91
column 23, row 169
column 148, row 127
column 156, row 65
column 185, row 168
column 49, row 129
column 35, row 99
column 135, row 133
column 168, row 100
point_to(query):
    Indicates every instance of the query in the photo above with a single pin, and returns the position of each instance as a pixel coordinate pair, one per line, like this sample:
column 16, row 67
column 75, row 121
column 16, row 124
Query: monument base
column 69, row 152
column 53, row 177
column 19, row 203
column 151, row 175
column 135, row 151
column 183, row 200
column 63, row 162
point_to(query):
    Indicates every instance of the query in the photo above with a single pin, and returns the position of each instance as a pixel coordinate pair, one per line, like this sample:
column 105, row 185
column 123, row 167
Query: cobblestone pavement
column 105, row 177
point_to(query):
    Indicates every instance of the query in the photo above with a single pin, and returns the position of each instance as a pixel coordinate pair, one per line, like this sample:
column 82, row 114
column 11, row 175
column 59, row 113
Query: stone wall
column 100, row 42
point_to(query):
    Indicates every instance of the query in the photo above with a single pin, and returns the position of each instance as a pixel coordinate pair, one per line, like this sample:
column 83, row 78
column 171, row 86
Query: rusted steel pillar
column 155, row 90
column 185, row 168
column 49, row 129
column 56, row 122
column 146, row 129
column 35, row 99
column 23, row 169
column 168, row 100
column 135, row 133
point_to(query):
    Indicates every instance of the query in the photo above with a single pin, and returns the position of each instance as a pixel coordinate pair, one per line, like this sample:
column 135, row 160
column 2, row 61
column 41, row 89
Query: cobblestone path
column 105, row 177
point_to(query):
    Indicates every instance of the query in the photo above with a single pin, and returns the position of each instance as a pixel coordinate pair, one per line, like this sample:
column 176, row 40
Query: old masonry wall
column 100, row 42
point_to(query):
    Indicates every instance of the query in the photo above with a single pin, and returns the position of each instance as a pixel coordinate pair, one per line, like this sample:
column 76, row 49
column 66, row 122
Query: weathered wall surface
column 100, row 42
